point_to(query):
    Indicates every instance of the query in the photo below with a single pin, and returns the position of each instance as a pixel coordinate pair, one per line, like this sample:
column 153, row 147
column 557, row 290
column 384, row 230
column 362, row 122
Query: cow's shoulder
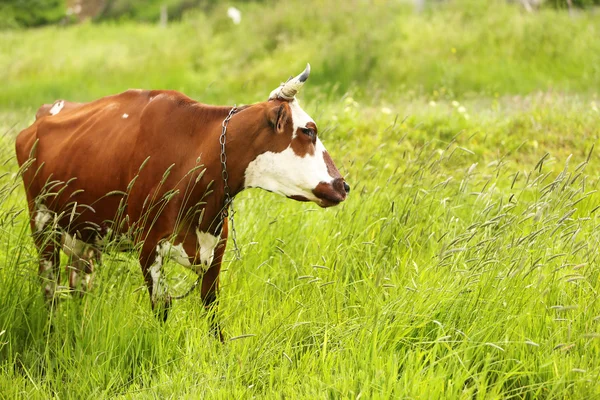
column 168, row 99
column 169, row 111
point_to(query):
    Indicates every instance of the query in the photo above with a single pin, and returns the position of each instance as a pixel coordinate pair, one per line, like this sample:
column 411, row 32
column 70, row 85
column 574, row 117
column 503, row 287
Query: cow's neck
column 242, row 130
column 238, row 142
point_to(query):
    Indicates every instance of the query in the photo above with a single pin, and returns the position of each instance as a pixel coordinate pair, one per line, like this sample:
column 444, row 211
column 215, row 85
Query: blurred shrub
column 377, row 50
column 149, row 10
column 577, row 3
column 28, row 13
column 25, row 13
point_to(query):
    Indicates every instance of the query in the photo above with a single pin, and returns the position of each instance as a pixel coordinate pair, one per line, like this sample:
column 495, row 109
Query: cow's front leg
column 210, row 285
column 208, row 253
column 46, row 239
column 151, row 261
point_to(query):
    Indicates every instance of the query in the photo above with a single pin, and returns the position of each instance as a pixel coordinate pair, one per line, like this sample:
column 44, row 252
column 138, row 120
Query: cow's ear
column 278, row 117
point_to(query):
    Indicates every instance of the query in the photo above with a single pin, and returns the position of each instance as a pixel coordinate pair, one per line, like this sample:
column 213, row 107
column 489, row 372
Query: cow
column 159, row 170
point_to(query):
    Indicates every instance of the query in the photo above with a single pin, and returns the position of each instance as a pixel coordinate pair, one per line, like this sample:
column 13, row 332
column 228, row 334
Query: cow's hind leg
column 46, row 240
column 152, row 268
column 49, row 271
column 81, row 269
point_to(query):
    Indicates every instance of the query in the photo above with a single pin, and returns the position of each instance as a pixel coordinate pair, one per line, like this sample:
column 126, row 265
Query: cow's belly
column 95, row 242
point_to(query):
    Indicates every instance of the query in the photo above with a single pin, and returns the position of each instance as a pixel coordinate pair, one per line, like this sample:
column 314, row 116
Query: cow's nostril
column 346, row 187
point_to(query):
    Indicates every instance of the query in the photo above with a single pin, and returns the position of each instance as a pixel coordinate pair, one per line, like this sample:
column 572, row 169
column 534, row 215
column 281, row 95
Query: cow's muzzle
column 331, row 194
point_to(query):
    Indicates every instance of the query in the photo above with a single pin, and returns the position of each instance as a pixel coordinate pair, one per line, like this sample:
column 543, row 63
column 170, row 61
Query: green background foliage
column 148, row 11
column 29, row 13
column 579, row 3
column 463, row 264
column 23, row 13
column 389, row 51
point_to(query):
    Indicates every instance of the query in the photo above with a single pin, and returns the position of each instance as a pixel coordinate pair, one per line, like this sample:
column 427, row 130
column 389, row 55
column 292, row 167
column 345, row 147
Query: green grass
column 463, row 264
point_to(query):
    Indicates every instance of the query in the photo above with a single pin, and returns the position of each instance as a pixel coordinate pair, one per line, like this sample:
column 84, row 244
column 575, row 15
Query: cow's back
column 98, row 148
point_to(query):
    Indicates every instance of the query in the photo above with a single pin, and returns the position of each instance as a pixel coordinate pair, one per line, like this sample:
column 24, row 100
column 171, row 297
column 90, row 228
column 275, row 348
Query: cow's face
column 291, row 159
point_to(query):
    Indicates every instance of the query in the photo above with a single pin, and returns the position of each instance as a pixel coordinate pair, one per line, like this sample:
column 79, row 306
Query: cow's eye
column 309, row 132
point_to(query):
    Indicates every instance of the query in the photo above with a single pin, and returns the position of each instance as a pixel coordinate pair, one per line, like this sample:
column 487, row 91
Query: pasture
column 464, row 263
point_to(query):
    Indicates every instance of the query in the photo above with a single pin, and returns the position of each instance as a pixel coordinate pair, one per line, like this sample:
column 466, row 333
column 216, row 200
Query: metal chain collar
column 228, row 199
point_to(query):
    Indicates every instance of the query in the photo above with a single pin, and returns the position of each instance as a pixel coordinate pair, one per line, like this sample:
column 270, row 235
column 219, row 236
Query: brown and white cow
column 147, row 165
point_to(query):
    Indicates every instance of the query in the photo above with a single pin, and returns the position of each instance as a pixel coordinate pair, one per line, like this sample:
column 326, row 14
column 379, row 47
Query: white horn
column 288, row 90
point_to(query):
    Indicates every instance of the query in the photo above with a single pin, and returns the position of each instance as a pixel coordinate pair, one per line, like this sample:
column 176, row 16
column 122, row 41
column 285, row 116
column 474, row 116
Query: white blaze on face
column 286, row 173
column 299, row 117
column 57, row 107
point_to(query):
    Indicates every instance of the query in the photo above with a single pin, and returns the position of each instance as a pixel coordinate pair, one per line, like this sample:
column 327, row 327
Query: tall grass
column 463, row 264
column 453, row 270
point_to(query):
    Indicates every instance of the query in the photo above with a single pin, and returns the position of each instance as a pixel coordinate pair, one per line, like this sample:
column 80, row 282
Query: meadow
column 462, row 265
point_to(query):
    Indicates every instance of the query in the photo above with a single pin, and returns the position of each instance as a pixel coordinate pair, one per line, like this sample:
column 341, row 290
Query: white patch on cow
column 42, row 216
column 207, row 244
column 72, row 246
column 57, row 107
column 299, row 117
column 206, row 248
column 176, row 253
column 287, row 173
column 87, row 281
column 125, row 115
column 159, row 286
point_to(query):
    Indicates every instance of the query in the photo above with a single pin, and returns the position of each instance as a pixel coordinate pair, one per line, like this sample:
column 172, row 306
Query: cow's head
column 291, row 159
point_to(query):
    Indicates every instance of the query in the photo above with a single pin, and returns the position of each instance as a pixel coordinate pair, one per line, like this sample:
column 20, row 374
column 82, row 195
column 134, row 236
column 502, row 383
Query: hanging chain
column 228, row 199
